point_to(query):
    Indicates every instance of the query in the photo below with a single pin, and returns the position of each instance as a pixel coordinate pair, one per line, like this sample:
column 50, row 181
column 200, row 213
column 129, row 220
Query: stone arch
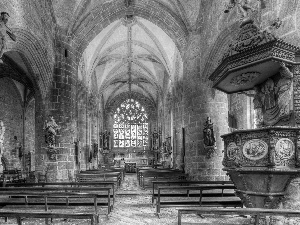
column 105, row 14
column 117, row 100
column 218, row 49
column 32, row 49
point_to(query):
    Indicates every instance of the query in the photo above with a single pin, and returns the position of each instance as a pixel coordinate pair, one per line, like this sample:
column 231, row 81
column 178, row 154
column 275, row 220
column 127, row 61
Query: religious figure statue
column 2, row 131
column 4, row 31
column 284, row 91
column 106, row 140
column 155, row 139
column 208, row 133
column 273, row 102
column 51, row 129
column 247, row 9
column 128, row 3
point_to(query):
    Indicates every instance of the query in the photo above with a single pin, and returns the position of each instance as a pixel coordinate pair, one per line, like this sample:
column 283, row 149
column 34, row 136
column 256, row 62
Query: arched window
column 130, row 125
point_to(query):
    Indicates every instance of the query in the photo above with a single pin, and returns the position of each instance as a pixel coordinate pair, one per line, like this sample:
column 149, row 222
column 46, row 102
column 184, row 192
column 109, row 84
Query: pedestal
column 57, row 163
column 262, row 163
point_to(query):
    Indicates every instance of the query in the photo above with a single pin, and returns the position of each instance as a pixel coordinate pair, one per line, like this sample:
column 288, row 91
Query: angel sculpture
column 246, row 10
column 4, row 30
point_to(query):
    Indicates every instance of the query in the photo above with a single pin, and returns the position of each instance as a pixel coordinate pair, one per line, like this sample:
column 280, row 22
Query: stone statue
column 247, row 9
column 128, row 3
column 274, row 25
column 106, row 135
column 284, row 91
column 2, row 131
column 273, row 102
column 208, row 133
column 4, row 31
column 51, row 129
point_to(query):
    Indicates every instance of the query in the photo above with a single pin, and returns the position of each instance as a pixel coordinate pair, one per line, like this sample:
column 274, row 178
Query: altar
column 130, row 167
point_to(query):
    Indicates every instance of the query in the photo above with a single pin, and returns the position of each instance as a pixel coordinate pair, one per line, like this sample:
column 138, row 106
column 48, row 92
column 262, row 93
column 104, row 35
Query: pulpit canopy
column 251, row 59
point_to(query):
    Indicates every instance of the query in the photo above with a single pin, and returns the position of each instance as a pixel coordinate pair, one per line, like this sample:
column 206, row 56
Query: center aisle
column 133, row 207
column 130, row 185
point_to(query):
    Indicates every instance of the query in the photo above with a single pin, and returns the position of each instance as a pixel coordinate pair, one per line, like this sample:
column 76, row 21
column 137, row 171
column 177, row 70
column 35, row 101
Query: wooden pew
column 45, row 195
column 95, row 190
column 68, row 184
column 256, row 212
column 160, row 174
column 111, row 169
column 198, row 200
column 95, row 177
column 187, row 183
column 20, row 215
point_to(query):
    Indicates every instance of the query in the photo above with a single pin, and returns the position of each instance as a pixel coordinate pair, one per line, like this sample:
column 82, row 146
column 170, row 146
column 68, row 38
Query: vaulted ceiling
column 130, row 55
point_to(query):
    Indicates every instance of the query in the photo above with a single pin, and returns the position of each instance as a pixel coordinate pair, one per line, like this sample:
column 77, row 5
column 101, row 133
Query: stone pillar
column 62, row 108
column 200, row 102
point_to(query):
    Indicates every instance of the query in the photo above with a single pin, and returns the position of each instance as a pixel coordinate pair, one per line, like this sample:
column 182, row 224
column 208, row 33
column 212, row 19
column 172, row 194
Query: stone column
column 200, row 102
column 61, row 162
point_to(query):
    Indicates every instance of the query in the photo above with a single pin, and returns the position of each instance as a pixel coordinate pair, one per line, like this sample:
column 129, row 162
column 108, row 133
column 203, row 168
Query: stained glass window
column 130, row 125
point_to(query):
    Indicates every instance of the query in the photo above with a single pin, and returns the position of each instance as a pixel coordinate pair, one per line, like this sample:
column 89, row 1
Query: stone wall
column 30, row 127
column 11, row 114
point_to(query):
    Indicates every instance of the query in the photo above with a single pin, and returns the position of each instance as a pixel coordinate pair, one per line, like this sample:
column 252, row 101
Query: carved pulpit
column 262, row 162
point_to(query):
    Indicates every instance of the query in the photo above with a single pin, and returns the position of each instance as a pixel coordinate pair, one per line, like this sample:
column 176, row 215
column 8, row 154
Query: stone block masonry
column 57, row 164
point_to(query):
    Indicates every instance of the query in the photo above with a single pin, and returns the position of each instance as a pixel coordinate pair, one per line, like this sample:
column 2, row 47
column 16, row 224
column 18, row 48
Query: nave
column 132, row 207
column 206, row 88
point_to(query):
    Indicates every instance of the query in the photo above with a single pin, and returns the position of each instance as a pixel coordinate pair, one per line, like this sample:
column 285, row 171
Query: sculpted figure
column 208, row 133
column 247, row 9
column 106, row 135
column 274, row 101
column 128, row 3
column 4, row 31
column 2, row 131
column 273, row 26
column 51, row 129
column 284, row 90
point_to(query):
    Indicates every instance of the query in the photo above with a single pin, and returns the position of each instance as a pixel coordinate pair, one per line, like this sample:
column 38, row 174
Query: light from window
column 130, row 125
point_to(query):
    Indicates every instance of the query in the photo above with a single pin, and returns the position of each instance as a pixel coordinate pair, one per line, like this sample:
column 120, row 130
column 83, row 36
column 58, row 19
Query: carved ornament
column 244, row 78
column 255, row 149
column 232, row 151
column 284, row 150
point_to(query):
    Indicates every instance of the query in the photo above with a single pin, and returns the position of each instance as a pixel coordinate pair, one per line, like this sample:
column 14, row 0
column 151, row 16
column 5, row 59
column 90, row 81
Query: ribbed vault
column 130, row 55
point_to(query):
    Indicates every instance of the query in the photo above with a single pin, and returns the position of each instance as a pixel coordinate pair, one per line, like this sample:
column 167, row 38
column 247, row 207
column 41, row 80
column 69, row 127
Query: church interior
column 200, row 93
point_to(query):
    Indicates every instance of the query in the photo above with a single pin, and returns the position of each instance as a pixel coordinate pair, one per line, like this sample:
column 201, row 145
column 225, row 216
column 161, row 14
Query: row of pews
column 171, row 188
column 93, row 188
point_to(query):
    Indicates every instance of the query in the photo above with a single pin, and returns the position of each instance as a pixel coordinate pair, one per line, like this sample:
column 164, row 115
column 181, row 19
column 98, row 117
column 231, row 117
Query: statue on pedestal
column 105, row 139
column 4, row 30
column 208, row 133
column 51, row 129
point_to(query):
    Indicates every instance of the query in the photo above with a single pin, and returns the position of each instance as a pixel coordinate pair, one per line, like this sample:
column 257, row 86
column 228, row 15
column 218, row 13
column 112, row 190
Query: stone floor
column 133, row 207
